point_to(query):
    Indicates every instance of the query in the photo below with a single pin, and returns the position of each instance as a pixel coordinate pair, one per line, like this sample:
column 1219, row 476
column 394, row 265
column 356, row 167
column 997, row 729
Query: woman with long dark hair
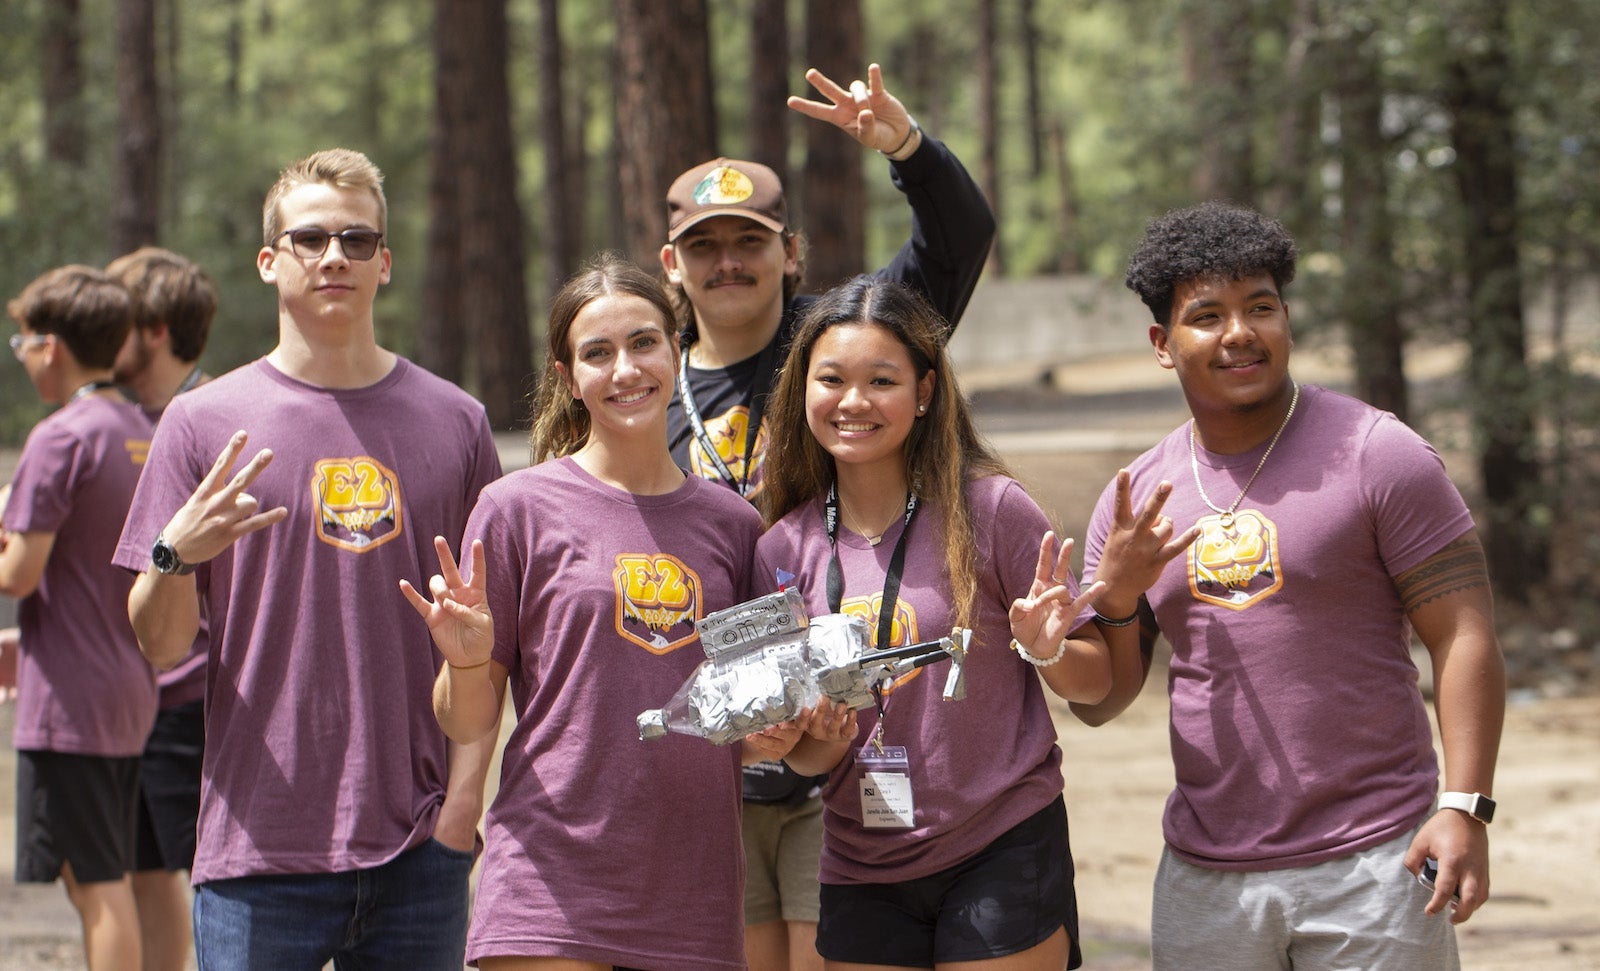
column 945, row 833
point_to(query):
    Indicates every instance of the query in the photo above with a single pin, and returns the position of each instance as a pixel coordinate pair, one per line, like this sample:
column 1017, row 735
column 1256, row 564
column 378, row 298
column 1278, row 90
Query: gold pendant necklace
column 1194, row 463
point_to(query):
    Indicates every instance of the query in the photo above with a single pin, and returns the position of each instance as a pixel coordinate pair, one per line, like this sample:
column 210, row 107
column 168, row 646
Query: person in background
column 85, row 697
column 174, row 301
column 734, row 265
column 1323, row 534
column 336, row 821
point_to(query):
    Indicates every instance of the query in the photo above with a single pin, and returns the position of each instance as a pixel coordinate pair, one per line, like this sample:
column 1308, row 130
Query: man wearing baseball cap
column 733, row 266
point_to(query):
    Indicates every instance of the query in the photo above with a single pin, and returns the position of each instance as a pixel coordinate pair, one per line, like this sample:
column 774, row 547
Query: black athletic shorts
column 1008, row 898
column 77, row 809
column 169, row 789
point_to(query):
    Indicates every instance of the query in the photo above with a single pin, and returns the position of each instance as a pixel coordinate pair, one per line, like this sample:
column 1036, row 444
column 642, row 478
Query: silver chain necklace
column 1194, row 463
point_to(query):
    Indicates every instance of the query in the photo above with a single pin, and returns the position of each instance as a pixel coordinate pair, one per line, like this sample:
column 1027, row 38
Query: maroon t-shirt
column 322, row 753
column 599, row 846
column 978, row 766
column 82, row 685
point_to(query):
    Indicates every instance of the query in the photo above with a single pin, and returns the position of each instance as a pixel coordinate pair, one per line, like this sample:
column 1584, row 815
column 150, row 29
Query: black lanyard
column 887, row 603
column 891, row 580
column 758, row 403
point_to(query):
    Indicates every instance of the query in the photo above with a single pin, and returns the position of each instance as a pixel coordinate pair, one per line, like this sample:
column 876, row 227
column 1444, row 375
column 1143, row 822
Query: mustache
column 723, row 278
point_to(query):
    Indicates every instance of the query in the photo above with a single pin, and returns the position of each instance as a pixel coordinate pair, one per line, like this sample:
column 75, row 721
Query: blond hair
column 343, row 168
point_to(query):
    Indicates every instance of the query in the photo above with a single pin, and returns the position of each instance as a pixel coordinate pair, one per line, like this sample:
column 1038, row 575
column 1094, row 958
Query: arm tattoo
column 1459, row 566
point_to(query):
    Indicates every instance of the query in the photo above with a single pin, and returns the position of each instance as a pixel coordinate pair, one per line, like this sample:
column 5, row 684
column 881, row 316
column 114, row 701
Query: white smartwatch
column 1474, row 804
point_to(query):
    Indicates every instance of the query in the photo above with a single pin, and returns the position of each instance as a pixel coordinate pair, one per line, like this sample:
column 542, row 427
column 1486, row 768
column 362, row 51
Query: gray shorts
column 1359, row 911
column 782, row 845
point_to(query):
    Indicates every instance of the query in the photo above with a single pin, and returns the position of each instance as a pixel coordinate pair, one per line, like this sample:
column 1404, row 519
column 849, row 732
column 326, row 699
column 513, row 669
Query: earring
column 922, row 409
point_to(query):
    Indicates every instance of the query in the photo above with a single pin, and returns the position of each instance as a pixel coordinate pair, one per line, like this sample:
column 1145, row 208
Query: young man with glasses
column 326, row 783
column 733, row 266
column 85, row 697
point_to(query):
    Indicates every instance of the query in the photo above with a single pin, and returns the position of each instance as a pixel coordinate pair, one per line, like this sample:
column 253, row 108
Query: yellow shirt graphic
column 902, row 631
column 658, row 601
column 358, row 502
column 729, row 432
column 1237, row 565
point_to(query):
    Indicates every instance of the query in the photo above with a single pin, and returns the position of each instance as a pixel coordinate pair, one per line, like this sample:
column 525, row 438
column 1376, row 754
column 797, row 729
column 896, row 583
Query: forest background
column 1437, row 163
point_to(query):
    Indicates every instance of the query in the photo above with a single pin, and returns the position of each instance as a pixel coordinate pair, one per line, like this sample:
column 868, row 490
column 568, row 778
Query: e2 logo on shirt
column 358, row 502
column 658, row 601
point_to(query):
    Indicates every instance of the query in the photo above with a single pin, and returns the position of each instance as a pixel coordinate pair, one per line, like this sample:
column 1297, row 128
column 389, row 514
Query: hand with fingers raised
column 458, row 617
column 221, row 511
column 1041, row 621
column 866, row 111
column 1137, row 548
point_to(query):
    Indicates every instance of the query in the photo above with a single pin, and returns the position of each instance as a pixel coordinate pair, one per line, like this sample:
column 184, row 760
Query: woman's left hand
column 1043, row 618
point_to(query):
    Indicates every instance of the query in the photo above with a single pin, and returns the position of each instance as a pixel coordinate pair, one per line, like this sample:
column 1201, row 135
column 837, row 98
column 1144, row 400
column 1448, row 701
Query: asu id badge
column 886, row 801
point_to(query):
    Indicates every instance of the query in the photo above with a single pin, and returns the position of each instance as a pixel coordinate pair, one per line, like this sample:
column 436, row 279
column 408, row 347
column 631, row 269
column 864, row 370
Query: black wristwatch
column 1474, row 804
column 166, row 560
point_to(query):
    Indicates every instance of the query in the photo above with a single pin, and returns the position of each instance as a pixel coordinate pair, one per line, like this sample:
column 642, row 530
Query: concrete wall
column 1048, row 320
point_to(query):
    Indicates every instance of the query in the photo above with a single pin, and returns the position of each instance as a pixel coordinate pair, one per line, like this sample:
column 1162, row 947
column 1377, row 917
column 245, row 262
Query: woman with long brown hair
column 588, row 573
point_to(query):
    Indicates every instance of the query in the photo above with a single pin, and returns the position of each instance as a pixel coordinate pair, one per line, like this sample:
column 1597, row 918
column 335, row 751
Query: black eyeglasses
column 308, row 244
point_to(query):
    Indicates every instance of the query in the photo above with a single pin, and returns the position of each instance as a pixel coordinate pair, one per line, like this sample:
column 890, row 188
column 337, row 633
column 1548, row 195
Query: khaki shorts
column 782, row 846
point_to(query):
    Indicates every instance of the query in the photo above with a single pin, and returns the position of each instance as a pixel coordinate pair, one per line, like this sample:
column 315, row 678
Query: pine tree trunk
column 136, row 174
column 1503, row 395
column 666, row 119
column 833, row 188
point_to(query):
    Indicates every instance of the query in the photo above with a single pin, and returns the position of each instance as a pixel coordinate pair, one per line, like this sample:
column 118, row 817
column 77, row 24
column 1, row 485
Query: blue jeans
column 408, row 913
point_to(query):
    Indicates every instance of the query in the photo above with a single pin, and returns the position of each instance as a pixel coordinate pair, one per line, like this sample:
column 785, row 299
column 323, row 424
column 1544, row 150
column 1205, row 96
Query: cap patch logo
column 724, row 186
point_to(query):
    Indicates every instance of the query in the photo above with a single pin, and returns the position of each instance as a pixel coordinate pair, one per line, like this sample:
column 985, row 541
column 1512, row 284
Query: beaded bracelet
column 1040, row 662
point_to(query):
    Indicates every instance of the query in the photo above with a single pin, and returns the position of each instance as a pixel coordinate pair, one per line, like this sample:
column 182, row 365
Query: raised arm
column 952, row 225
column 1447, row 599
column 866, row 112
column 164, row 607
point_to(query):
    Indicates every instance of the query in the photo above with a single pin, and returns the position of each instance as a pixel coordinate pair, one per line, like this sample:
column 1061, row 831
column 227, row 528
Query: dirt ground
column 1545, row 907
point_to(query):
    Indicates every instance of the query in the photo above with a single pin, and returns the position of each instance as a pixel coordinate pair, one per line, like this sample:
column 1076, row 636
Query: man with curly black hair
column 1321, row 533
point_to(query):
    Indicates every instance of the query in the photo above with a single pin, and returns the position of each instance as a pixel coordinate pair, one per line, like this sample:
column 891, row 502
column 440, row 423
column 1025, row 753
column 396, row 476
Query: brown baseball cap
column 726, row 187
